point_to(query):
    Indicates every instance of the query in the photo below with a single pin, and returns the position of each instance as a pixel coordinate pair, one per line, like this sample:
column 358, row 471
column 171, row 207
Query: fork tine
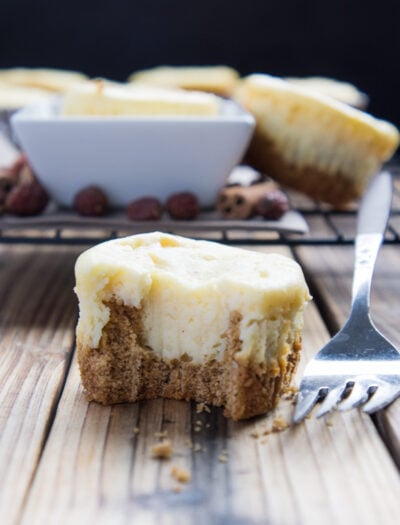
column 383, row 396
column 358, row 396
column 331, row 400
column 305, row 403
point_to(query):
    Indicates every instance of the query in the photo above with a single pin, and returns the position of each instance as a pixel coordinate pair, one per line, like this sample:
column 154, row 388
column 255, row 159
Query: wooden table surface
column 65, row 461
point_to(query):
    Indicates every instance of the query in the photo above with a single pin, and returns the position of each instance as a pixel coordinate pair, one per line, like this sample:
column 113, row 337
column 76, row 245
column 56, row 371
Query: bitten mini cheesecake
column 166, row 316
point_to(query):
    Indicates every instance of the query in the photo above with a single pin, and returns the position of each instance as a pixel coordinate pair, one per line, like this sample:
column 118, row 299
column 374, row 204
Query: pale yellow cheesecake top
column 104, row 98
column 187, row 290
column 56, row 80
column 338, row 89
column 217, row 79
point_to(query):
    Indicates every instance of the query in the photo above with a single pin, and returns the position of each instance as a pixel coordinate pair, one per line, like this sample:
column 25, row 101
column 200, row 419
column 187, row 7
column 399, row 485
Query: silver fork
column 358, row 366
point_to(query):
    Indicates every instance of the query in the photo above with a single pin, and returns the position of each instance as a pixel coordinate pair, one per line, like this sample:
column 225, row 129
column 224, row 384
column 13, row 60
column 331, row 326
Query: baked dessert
column 15, row 97
column 220, row 80
column 54, row 80
column 313, row 143
column 106, row 99
column 167, row 316
column 337, row 89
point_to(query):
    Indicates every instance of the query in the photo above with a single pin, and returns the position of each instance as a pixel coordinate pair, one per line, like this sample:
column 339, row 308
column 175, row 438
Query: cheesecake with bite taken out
column 167, row 316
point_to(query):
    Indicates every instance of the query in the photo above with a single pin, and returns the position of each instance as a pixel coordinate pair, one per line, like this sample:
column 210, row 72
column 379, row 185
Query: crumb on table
column 202, row 407
column 162, row 450
column 279, row 424
column 223, row 457
column 181, row 474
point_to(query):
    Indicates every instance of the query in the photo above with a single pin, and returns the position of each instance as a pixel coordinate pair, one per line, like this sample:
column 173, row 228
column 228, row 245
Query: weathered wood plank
column 95, row 468
column 37, row 317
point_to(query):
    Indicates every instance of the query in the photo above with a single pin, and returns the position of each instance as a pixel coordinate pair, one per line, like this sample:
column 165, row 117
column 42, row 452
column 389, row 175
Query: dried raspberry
column 183, row 206
column 273, row 205
column 27, row 199
column 91, row 202
column 145, row 209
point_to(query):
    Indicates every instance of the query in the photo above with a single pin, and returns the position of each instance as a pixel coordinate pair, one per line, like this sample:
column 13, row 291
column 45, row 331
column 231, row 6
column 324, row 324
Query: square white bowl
column 131, row 157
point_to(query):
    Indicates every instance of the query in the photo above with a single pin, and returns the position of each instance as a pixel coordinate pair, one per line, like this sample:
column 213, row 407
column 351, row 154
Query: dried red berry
column 27, row 199
column 91, row 202
column 273, row 205
column 144, row 209
column 183, row 206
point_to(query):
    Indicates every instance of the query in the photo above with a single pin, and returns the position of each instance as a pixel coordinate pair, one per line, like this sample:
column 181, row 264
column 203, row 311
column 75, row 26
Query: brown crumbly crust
column 338, row 189
column 122, row 370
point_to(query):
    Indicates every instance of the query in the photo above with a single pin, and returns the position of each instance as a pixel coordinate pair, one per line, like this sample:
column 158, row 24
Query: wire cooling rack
column 307, row 223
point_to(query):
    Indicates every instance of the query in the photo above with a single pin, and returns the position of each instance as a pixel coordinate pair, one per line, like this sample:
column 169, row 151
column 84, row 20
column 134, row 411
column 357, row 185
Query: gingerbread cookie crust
column 122, row 369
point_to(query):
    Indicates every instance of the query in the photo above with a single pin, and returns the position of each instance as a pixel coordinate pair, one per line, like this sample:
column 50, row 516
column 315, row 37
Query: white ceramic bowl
column 130, row 157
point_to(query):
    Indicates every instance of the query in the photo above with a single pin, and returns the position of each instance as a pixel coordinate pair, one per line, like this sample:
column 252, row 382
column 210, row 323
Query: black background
column 352, row 40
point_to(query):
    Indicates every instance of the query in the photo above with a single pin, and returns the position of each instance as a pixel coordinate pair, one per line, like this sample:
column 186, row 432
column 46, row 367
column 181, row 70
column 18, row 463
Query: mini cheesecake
column 52, row 80
column 312, row 143
column 102, row 98
column 166, row 316
column 15, row 97
column 220, row 80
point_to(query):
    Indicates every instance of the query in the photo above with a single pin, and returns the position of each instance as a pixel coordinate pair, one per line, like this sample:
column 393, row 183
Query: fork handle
column 375, row 206
column 372, row 220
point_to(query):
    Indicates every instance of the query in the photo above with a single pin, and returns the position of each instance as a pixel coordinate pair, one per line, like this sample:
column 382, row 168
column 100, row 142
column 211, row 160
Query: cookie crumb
column 255, row 434
column 202, row 407
column 197, row 447
column 181, row 474
column 162, row 450
column 223, row 457
column 279, row 424
column 136, row 430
